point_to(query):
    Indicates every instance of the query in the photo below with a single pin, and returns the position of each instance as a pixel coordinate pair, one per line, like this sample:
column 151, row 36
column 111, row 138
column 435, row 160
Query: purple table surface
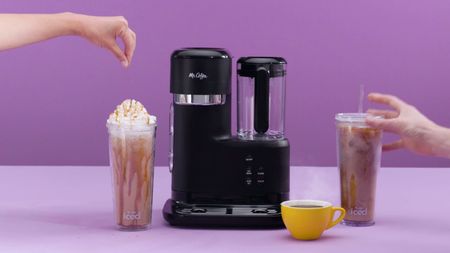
column 69, row 209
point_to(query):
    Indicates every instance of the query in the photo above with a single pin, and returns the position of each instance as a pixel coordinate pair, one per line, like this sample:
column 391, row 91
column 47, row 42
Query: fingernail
column 124, row 63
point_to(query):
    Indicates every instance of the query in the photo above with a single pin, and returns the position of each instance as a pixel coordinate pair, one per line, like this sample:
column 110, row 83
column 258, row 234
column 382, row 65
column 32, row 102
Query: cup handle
column 339, row 219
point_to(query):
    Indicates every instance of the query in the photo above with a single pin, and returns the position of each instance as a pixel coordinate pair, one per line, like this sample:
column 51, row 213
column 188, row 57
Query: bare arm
column 417, row 133
column 18, row 30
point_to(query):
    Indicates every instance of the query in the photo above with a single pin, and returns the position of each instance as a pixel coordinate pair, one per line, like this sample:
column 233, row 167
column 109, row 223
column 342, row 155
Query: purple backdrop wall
column 55, row 96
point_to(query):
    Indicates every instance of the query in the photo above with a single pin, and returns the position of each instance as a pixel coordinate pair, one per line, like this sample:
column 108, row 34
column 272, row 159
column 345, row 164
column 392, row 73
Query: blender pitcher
column 261, row 97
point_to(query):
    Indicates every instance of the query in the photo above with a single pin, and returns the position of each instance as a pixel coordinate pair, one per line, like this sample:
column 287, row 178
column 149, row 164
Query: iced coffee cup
column 359, row 156
column 132, row 134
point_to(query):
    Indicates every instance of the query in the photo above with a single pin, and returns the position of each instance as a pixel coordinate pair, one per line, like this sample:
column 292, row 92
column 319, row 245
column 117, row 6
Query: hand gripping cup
column 132, row 134
column 359, row 156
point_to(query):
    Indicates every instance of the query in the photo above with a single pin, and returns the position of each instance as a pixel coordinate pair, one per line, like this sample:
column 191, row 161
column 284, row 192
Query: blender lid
column 249, row 66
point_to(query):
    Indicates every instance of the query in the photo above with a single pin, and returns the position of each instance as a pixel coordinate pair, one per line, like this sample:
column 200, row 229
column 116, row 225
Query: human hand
column 103, row 31
column 417, row 133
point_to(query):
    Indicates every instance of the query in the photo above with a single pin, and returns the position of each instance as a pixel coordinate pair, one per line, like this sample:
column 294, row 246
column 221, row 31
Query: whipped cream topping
column 131, row 113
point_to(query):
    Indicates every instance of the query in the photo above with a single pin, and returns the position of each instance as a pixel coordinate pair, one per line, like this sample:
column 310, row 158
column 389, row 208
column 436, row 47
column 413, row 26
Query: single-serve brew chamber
column 261, row 97
column 200, row 81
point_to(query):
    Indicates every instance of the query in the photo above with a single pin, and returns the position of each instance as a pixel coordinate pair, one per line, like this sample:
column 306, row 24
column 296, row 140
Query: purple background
column 55, row 96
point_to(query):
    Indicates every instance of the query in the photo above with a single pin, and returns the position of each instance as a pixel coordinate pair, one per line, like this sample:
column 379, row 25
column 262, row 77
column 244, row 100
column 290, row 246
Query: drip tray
column 184, row 214
column 214, row 210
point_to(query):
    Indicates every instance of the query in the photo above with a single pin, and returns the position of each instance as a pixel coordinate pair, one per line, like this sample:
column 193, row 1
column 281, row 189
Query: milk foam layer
column 131, row 114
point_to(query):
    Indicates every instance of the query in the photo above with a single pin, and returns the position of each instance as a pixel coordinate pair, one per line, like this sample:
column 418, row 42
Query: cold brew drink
column 131, row 150
column 359, row 156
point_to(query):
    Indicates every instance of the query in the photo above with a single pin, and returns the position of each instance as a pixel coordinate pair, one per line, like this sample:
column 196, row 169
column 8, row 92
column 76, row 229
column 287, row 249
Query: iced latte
column 131, row 149
column 359, row 155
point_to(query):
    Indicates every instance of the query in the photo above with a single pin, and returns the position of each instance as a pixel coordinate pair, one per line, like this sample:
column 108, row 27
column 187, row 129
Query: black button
column 198, row 210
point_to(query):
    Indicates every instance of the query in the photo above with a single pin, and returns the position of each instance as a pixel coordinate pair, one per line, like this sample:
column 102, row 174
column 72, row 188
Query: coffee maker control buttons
column 260, row 175
column 254, row 175
column 248, row 158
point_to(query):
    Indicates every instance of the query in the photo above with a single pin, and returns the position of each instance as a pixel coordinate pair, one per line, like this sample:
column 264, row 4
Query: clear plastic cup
column 359, row 157
column 132, row 154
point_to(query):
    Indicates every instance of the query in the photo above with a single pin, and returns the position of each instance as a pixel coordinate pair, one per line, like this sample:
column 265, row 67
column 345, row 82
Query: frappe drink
column 131, row 150
column 359, row 156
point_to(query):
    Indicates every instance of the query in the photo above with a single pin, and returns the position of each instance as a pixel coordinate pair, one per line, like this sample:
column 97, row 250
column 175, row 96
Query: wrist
column 72, row 23
column 441, row 137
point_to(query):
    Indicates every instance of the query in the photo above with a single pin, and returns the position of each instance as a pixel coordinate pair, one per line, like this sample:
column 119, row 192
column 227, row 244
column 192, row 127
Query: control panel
column 253, row 173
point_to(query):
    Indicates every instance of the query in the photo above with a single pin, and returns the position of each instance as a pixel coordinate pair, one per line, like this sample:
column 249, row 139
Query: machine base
column 215, row 215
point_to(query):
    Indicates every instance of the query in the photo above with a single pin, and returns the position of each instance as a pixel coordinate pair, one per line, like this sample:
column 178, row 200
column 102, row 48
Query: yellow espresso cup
column 307, row 219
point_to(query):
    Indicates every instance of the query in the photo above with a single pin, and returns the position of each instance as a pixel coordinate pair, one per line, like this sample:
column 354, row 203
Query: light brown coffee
column 132, row 157
column 359, row 154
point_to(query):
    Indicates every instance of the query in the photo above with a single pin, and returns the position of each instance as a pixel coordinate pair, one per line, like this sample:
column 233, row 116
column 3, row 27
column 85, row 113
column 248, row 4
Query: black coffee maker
column 219, row 179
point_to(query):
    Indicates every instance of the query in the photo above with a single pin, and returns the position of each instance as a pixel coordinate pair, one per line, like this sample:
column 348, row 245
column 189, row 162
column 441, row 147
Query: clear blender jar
column 261, row 97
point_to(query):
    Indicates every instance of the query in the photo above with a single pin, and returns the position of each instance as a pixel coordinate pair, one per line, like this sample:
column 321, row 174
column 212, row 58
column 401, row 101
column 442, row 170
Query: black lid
column 248, row 66
column 200, row 71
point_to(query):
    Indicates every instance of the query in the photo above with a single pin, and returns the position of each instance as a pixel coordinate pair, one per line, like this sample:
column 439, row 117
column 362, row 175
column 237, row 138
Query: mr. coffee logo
column 132, row 215
column 358, row 211
column 198, row 75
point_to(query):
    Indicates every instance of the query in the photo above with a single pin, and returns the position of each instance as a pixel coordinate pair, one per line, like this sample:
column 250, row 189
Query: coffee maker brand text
column 198, row 75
